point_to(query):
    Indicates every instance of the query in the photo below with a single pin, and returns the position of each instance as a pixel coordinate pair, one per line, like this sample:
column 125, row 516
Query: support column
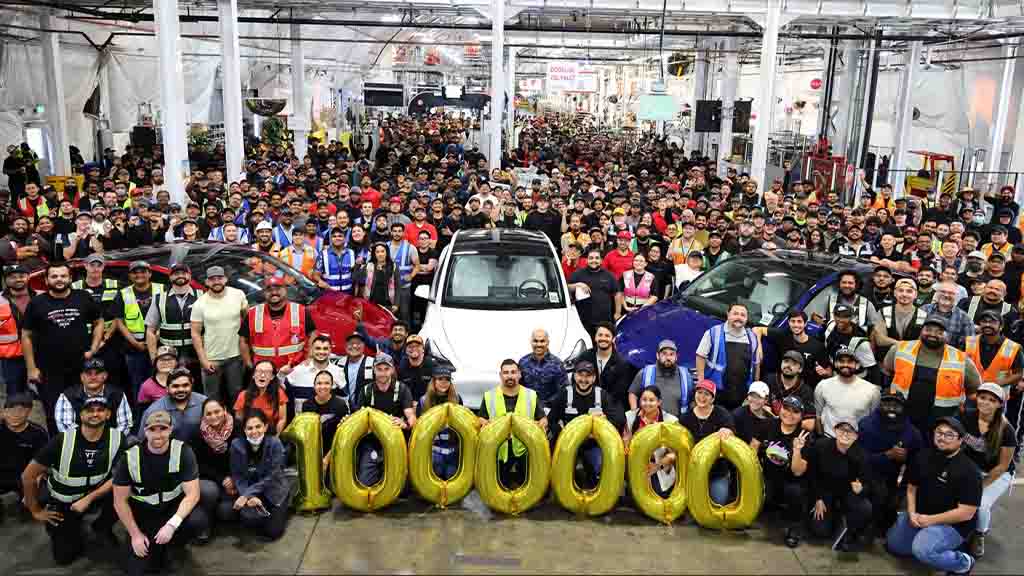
column 729, row 82
column 700, row 76
column 56, row 113
column 172, row 99
column 995, row 154
column 231, row 83
column 844, row 95
column 766, row 101
column 497, row 83
column 904, row 118
column 299, row 122
column 510, row 84
column 871, row 90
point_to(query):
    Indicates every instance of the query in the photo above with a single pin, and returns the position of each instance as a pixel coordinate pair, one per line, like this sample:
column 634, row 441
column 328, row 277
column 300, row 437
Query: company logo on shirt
column 90, row 457
column 63, row 317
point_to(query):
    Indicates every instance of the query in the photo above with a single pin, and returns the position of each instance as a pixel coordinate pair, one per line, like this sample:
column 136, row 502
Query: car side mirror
column 422, row 291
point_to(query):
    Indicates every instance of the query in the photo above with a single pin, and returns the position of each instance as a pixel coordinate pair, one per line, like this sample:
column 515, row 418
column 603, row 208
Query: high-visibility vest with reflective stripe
column 108, row 295
column 525, row 403
column 949, row 385
column 637, row 293
column 368, row 394
column 988, row 248
column 65, row 486
column 153, row 497
column 975, row 301
column 281, row 340
column 10, row 340
column 570, row 410
column 717, row 359
column 134, row 319
column 302, row 258
column 1001, row 363
column 913, row 327
column 176, row 327
column 337, row 271
column 860, row 302
column 403, row 259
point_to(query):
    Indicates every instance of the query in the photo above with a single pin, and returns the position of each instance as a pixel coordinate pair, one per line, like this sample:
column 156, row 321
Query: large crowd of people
column 164, row 413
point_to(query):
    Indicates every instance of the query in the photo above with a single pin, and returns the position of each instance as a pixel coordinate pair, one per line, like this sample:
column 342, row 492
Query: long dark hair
column 389, row 265
column 252, row 391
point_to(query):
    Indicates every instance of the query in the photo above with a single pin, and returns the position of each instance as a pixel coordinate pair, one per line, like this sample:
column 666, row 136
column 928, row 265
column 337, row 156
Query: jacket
column 617, row 375
column 268, row 482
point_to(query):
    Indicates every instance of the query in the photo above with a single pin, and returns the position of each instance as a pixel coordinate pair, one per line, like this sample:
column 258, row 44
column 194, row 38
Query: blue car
column 769, row 283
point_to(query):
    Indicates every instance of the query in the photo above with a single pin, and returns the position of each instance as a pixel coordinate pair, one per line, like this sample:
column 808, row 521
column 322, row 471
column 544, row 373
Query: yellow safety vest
column 133, row 317
column 525, row 403
column 135, row 471
column 109, row 294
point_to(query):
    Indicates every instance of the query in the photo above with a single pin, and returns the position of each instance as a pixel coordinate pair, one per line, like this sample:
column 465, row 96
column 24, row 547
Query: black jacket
column 618, row 374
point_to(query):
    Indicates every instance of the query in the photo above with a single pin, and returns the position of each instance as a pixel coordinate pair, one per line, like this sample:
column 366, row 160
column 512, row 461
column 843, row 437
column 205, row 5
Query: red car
column 332, row 311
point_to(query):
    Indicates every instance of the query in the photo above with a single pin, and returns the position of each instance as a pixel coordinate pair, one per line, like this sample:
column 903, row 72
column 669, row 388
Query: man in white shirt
column 844, row 397
column 216, row 318
column 300, row 382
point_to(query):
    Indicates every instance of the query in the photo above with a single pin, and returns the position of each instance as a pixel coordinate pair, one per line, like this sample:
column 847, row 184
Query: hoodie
column 875, row 439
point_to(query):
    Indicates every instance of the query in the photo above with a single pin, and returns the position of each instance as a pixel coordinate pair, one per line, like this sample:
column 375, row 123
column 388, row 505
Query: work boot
column 977, row 545
column 792, row 537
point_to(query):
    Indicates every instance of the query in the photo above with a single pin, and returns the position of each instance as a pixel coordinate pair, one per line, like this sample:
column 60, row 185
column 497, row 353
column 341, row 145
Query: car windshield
column 768, row 287
column 246, row 271
column 490, row 281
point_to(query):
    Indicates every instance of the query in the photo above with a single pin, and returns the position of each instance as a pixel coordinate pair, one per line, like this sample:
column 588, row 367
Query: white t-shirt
column 704, row 348
column 304, row 374
column 221, row 319
column 836, row 402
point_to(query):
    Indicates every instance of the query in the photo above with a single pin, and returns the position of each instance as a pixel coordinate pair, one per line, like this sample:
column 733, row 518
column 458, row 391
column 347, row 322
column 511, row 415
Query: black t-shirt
column 943, row 483
column 154, row 470
column 600, row 305
column 701, row 429
column 778, row 392
column 387, row 401
column 749, row 426
column 416, row 378
column 18, row 449
column 243, row 329
column 331, row 414
column 60, row 328
column 831, row 471
column 425, row 278
column 813, row 351
column 776, row 452
column 84, row 462
column 975, row 444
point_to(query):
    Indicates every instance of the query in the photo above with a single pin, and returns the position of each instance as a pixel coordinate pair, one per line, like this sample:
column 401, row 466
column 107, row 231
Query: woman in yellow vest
column 507, row 398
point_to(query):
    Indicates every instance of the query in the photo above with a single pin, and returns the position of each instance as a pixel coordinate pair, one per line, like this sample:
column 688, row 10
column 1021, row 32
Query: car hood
column 640, row 332
column 332, row 312
column 485, row 337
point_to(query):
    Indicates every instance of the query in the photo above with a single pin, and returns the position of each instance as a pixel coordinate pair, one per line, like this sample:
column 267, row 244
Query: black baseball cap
column 952, row 423
column 19, row 399
column 793, row 402
column 94, row 364
column 94, row 401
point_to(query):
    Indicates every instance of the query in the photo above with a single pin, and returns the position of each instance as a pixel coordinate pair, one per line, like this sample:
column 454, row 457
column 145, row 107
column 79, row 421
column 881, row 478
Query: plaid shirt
column 67, row 417
column 546, row 376
column 958, row 325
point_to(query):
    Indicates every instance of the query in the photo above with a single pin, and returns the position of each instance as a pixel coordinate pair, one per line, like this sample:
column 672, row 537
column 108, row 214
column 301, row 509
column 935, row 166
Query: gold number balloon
column 343, row 457
column 421, row 466
column 493, row 494
column 675, row 437
column 613, row 467
column 744, row 510
column 304, row 432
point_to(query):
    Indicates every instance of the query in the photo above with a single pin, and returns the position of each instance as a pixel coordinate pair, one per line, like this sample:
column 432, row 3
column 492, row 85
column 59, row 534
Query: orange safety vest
column 949, row 386
column 1002, row 362
column 304, row 261
column 280, row 340
column 1006, row 250
column 10, row 340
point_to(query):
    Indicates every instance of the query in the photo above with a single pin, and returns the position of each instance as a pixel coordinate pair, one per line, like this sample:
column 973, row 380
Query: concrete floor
column 412, row 538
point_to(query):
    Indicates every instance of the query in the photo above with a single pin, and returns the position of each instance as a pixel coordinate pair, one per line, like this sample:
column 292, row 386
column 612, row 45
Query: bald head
column 539, row 341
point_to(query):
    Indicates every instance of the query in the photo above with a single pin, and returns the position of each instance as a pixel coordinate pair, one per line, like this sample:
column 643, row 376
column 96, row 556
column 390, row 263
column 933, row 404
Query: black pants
column 270, row 527
column 791, row 497
column 885, row 501
column 856, row 509
column 66, row 539
column 512, row 472
column 150, row 520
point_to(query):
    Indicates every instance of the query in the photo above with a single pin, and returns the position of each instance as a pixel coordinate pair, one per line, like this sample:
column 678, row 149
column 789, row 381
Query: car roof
column 831, row 262
column 507, row 238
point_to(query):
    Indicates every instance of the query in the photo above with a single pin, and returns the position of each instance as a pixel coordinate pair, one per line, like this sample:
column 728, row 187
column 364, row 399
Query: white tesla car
column 491, row 290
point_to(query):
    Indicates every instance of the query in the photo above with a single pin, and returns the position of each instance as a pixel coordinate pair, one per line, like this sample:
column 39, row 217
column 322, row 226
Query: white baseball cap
column 759, row 388
column 264, row 225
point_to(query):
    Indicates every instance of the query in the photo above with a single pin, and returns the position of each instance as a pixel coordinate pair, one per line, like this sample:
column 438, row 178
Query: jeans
column 593, row 458
column 15, row 374
column 935, row 546
column 270, row 527
column 370, row 461
column 139, row 369
column 226, row 381
column 790, row 493
column 719, row 489
column 989, row 496
column 446, row 466
column 215, row 500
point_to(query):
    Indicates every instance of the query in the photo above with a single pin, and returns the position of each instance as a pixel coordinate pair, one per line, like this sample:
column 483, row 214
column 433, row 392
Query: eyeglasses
column 951, row 435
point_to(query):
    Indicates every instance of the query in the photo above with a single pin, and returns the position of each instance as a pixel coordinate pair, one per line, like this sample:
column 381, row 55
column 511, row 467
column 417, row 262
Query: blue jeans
column 15, row 374
column 593, row 458
column 989, row 496
column 719, row 489
column 446, row 466
column 935, row 546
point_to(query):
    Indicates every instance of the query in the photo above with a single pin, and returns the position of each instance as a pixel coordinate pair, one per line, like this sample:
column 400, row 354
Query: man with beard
column 300, row 384
column 55, row 337
column 729, row 354
column 13, row 303
column 216, row 317
column 94, row 383
column 746, row 241
column 23, row 246
column 276, row 330
column 845, row 396
column 842, row 332
column 614, row 373
column 849, row 294
column 789, row 382
column 394, row 344
column 77, row 465
column 997, row 357
column 416, row 368
column 184, row 406
column 335, row 264
column 814, row 357
column 167, row 320
column 407, row 260
column 594, row 289
column 890, row 441
column 714, row 253
column 129, row 309
column 880, row 294
column 943, row 495
column 992, row 300
column 901, row 320
column 507, row 398
column 674, row 381
column 853, row 245
column 386, row 394
column 934, row 377
column 925, row 287
column 265, row 239
column 356, row 367
column 282, row 234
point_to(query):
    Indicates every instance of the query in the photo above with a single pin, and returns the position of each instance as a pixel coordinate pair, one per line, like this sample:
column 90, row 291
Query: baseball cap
column 993, row 389
column 989, row 315
column 843, row 310
column 936, row 320
column 99, row 400
column 16, row 269
column 759, row 388
column 794, row 356
column 952, row 423
column 707, row 386
column 158, row 418
column 166, row 351
column 849, row 423
column 94, row 364
column 275, row 280
column 414, row 339
column 997, row 255
column 585, row 366
column 139, row 265
column 624, row 235
column 382, row 358
column 180, row 267
column 845, row 351
column 19, row 399
column 977, row 254
column 214, row 271
column 793, row 402
column 666, row 343
column 264, row 225
column 442, row 370
column 890, row 397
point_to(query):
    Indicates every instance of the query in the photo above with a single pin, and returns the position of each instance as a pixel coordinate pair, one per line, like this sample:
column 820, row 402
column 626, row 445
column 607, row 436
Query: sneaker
column 970, row 566
column 792, row 537
column 202, row 538
column 977, row 545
